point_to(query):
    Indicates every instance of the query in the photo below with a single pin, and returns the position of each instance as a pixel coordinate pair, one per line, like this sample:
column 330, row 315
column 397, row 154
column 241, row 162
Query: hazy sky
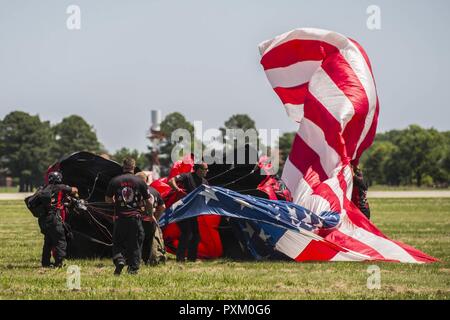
column 201, row 58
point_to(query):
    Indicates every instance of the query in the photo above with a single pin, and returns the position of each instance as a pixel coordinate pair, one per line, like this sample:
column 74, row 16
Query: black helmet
column 55, row 177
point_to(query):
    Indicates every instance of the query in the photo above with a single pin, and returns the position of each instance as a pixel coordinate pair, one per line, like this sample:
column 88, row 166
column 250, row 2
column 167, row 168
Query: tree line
column 412, row 156
column 29, row 145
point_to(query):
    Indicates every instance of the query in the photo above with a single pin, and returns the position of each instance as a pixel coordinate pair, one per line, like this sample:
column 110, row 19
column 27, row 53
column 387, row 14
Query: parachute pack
column 39, row 201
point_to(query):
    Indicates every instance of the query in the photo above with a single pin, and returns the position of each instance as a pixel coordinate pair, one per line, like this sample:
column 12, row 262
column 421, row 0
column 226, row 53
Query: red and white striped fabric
column 326, row 84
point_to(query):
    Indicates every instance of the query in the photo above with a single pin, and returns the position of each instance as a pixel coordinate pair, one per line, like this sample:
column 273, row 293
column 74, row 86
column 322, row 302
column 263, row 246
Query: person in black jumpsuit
column 149, row 226
column 360, row 189
column 190, row 236
column 128, row 192
column 51, row 223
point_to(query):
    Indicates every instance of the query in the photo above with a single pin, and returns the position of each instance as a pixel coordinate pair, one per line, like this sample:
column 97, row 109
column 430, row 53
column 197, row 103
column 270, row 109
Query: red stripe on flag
column 418, row 255
column 348, row 82
column 320, row 116
column 293, row 95
column 307, row 161
column 294, row 51
column 352, row 244
column 318, row 251
column 367, row 142
column 325, row 191
column 359, row 219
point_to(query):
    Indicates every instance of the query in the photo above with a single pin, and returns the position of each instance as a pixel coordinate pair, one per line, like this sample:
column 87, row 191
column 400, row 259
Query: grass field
column 9, row 189
column 423, row 223
column 404, row 188
column 372, row 188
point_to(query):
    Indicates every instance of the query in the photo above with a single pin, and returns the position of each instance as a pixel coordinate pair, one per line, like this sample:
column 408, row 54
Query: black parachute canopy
column 88, row 172
column 91, row 228
column 239, row 171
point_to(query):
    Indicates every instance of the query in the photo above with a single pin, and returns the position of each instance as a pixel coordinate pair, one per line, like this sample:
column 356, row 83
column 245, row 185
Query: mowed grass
column 9, row 189
column 423, row 223
column 405, row 188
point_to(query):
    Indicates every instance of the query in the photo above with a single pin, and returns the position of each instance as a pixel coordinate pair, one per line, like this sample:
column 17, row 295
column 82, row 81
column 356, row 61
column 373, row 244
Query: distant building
column 155, row 136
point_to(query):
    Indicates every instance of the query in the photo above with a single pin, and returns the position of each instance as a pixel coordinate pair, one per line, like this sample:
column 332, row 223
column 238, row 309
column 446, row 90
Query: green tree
column 441, row 174
column 25, row 148
column 2, row 146
column 374, row 163
column 172, row 122
column 420, row 150
column 245, row 123
column 240, row 121
column 407, row 156
column 445, row 165
column 74, row 134
column 141, row 159
column 284, row 146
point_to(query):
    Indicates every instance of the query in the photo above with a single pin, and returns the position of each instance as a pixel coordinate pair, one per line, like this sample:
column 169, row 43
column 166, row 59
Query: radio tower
column 155, row 136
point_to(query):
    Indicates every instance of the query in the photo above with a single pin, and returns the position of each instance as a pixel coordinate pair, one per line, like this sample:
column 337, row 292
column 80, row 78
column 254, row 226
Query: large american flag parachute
column 325, row 82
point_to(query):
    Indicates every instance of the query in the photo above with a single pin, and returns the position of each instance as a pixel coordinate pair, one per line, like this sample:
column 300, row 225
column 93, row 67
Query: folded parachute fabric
column 265, row 228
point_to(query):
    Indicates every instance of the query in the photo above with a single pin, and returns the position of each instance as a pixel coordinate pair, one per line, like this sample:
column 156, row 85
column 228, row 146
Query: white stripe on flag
column 291, row 177
column 388, row 249
column 333, row 183
column 301, row 33
column 348, row 176
column 301, row 191
column 314, row 137
column 350, row 256
column 295, row 111
column 331, row 97
column 292, row 243
column 294, row 75
column 359, row 65
column 315, row 203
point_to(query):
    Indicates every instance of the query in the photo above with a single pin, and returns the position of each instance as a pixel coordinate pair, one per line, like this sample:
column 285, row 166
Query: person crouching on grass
column 153, row 249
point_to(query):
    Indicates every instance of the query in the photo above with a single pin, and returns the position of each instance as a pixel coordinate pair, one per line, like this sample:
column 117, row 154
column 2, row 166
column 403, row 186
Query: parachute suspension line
column 93, row 204
column 93, row 186
column 101, row 226
column 222, row 173
column 94, row 240
column 240, row 178
column 101, row 211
